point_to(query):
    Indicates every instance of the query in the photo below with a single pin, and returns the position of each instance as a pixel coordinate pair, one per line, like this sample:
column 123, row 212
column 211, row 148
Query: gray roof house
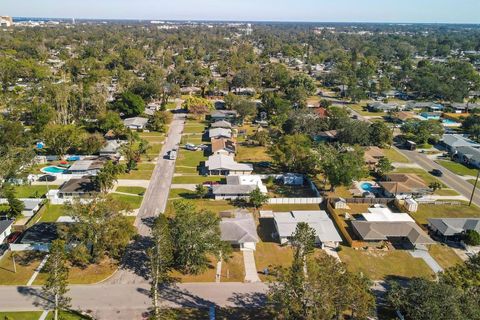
column 5, row 229
column 382, row 107
column 325, row 232
column 217, row 133
column 111, row 148
column 468, row 155
column 228, row 115
column 85, row 167
column 430, row 106
column 135, row 123
column 451, row 227
column 31, row 206
column 453, row 141
column 240, row 230
column 387, row 230
column 238, row 187
column 224, row 165
column 221, row 124
column 82, row 187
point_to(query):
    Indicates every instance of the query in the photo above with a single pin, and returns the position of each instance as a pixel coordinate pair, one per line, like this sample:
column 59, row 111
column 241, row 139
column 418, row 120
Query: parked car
column 436, row 173
column 47, row 178
column 191, row 147
column 13, row 237
column 202, row 147
column 173, row 154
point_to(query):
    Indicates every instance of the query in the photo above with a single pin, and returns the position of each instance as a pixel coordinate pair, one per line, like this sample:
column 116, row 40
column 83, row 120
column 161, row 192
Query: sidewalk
column 251, row 274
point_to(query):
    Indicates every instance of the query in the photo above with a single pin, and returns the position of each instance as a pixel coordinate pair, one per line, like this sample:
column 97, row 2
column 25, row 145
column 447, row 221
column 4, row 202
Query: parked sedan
column 436, row 173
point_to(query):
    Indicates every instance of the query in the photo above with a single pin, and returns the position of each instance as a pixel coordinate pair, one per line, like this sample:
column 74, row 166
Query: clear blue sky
column 436, row 11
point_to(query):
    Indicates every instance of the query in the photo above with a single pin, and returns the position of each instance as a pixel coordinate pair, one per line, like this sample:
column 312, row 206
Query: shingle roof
column 457, row 140
column 403, row 183
column 376, row 231
column 221, row 124
column 232, row 189
column 136, row 121
column 453, row 226
column 239, row 229
column 82, row 185
column 223, row 144
column 219, row 132
column 84, row 165
column 225, row 162
column 325, row 230
column 4, row 224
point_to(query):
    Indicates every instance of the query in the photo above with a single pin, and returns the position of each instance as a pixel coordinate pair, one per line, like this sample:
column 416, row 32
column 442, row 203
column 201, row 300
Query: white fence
column 29, row 247
column 295, row 200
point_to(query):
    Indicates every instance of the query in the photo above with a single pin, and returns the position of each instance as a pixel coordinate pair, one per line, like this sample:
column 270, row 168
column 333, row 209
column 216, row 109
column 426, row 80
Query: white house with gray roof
column 224, row 165
column 217, row 133
column 453, row 227
column 239, row 230
column 238, row 187
column 136, row 123
column 326, row 235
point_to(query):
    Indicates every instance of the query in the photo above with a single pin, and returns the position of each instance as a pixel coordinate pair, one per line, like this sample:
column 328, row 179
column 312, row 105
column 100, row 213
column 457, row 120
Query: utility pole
column 474, row 188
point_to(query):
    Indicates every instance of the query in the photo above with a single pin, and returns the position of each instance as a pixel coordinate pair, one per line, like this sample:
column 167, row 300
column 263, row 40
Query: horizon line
column 251, row 21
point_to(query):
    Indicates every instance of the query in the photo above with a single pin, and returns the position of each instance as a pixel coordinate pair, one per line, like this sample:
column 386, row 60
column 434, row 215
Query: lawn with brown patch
column 233, row 270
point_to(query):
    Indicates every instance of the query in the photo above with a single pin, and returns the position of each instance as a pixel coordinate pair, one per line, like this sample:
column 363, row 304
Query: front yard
column 444, row 255
column 458, row 168
column 143, row 172
column 380, row 265
column 26, row 263
column 395, row 156
column 462, row 210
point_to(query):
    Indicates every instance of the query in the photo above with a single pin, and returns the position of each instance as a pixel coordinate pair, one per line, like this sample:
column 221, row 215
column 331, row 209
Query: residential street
column 130, row 301
column 450, row 179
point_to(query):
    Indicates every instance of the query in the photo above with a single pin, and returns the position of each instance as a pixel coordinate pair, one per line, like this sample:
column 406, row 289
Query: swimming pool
column 449, row 121
column 53, row 170
column 366, row 186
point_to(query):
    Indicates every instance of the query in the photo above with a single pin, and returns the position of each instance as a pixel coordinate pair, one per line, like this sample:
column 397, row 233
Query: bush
column 472, row 238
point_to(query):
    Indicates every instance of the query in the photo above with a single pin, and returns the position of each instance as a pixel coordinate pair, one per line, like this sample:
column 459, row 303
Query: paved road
column 449, row 178
column 130, row 301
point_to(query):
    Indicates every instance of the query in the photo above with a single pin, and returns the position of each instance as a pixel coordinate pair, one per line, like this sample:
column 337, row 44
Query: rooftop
column 225, row 162
column 239, row 229
column 382, row 230
column 403, row 183
column 81, row 185
column 453, row 226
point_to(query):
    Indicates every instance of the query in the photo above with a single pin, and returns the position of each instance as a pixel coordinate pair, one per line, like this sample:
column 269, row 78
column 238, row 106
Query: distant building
column 449, row 228
column 6, row 21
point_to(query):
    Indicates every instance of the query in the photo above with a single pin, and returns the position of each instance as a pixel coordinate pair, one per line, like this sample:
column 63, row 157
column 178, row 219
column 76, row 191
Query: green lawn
column 252, row 154
column 458, row 168
column 196, row 129
column 133, row 201
column 143, row 172
column 378, row 265
column 207, row 204
column 426, row 211
column 27, row 315
column 444, row 255
column 51, row 213
column 26, row 263
column 33, row 191
column 140, row 191
column 233, row 270
column 195, row 179
column 190, row 159
column 270, row 255
column 395, row 156
column 65, row 315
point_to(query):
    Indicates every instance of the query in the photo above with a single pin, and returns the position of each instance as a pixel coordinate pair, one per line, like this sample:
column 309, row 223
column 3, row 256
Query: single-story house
column 223, row 146
column 221, row 124
column 380, row 213
column 239, row 230
column 452, row 141
column 467, row 155
column 217, row 133
column 81, row 187
column 326, row 136
column 431, row 115
column 5, row 229
column 136, row 123
column 220, row 164
column 224, row 115
column 382, row 107
column 111, row 148
column 373, row 155
column 430, row 106
column 325, row 232
column 403, row 116
column 238, row 187
column 453, row 227
column 31, row 206
column 85, row 167
column 394, row 231
column 403, row 184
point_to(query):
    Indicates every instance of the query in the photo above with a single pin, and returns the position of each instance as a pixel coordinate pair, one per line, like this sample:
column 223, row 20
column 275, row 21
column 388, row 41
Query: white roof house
column 238, row 187
column 221, row 124
column 383, row 214
column 240, row 231
column 136, row 123
column 221, row 164
column 220, row 133
column 325, row 231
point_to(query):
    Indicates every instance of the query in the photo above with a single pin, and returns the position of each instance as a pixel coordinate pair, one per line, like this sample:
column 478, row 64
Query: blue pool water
column 449, row 121
column 366, row 186
column 53, row 169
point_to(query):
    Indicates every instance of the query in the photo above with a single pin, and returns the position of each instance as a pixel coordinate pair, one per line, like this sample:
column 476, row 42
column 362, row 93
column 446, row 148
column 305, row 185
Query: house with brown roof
column 373, row 155
column 224, row 146
column 403, row 184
